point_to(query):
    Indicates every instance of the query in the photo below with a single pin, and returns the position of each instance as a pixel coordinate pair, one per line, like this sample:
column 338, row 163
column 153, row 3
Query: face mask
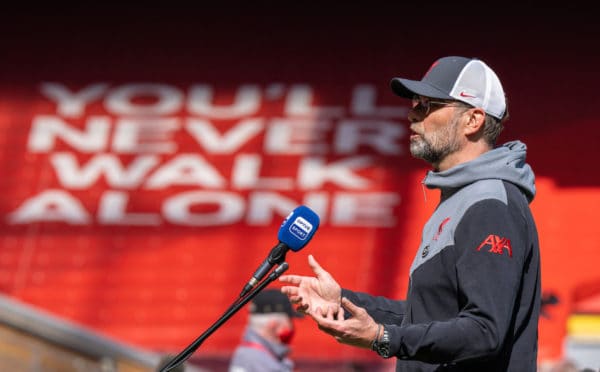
column 286, row 335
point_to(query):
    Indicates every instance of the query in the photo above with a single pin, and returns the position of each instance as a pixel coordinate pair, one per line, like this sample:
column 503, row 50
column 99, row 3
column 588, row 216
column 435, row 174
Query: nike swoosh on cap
column 463, row 94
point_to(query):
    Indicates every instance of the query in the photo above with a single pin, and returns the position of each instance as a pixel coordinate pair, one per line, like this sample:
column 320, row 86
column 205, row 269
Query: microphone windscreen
column 298, row 228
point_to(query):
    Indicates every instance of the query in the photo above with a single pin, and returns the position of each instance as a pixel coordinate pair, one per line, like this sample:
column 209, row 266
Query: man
column 474, row 288
column 265, row 343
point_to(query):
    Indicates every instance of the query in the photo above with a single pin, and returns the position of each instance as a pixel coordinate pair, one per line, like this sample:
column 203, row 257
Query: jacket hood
column 506, row 162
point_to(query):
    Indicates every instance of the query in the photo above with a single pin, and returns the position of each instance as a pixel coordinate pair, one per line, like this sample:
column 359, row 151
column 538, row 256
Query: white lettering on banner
column 112, row 209
column 45, row 129
column 363, row 104
column 195, row 170
column 223, row 208
column 300, row 102
column 313, row 173
column 380, row 136
column 246, row 102
column 145, row 135
column 297, row 136
column 262, row 206
column 230, row 208
column 72, row 175
column 51, row 206
column 213, row 142
column 165, row 100
column 69, row 104
column 155, row 135
column 186, row 169
column 245, row 174
column 233, row 150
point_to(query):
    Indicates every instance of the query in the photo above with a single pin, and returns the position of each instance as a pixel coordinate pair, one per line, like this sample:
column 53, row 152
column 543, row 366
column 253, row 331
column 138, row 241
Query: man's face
column 435, row 129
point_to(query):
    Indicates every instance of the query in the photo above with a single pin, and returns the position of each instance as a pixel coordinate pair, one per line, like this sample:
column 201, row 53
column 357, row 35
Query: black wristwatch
column 382, row 345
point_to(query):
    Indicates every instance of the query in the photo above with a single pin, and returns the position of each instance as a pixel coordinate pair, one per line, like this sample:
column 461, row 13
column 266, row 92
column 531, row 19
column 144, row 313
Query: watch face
column 383, row 349
column 383, row 346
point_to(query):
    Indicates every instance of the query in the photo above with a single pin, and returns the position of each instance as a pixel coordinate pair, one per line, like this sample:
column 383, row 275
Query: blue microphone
column 295, row 232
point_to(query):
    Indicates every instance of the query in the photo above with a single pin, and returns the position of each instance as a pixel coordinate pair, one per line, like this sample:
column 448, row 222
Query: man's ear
column 474, row 121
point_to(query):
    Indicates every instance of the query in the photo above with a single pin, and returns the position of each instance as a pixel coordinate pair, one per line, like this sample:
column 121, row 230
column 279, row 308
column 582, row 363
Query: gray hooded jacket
column 474, row 291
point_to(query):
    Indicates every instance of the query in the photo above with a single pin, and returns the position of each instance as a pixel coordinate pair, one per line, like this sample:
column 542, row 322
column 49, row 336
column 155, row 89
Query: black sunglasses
column 424, row 104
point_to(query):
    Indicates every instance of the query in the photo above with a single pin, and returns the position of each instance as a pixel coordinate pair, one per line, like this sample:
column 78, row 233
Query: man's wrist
column 377, row 335
column 381, row 343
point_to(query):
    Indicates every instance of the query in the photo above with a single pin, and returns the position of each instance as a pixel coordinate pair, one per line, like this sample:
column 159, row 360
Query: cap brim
column 409, row 88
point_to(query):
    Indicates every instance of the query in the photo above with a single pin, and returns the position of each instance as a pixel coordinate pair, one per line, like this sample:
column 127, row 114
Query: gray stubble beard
column 441, row 144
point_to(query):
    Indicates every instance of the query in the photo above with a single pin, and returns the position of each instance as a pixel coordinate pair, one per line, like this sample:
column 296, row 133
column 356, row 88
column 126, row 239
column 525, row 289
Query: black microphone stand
column 188, row 351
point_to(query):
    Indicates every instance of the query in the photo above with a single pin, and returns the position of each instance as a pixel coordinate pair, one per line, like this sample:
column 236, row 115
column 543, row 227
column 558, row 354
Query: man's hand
column 358, row 330
column 313, row 294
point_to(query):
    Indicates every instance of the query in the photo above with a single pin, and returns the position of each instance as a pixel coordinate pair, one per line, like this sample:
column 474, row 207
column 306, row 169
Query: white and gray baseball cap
column 468, row 80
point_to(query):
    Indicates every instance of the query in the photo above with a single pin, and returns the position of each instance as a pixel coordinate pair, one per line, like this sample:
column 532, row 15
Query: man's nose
column 413, row 115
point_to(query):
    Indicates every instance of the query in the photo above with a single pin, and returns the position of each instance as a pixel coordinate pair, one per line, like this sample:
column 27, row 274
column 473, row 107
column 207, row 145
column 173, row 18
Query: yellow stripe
column 583, row 325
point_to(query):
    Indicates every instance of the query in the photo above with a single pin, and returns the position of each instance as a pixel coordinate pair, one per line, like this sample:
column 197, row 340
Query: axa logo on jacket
column 497, row 245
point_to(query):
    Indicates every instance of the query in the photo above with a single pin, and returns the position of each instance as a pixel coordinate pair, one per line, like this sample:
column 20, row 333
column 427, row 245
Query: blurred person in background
column 265, row 344
column 473, row 298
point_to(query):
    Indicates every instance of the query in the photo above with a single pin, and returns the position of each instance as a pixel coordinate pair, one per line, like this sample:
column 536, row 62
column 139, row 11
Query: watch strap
column 382, row 344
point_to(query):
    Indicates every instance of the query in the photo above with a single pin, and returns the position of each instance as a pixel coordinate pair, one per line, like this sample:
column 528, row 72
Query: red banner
column 145, row 177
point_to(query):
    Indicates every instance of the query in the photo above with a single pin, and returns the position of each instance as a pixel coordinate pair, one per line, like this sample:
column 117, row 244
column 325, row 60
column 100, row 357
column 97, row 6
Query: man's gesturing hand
column 358, row 330
column 312, row 294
